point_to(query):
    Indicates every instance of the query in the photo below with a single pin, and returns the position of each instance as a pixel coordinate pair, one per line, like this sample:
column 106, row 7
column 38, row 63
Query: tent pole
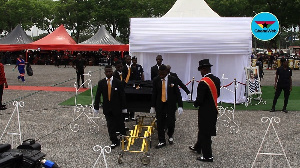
column 26, row 55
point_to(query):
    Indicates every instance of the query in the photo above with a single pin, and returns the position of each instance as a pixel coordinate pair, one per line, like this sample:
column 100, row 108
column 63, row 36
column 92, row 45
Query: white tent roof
column 191, row 8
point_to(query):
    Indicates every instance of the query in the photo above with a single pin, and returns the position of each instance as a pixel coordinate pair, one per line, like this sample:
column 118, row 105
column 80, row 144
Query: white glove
column 189, row 96
column 96, row 111
column 180, row 110
column 152, row 110
column 124, row 111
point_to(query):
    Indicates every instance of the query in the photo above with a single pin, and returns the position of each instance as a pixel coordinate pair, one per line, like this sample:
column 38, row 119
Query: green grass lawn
column 268, row 95
column 84, row 98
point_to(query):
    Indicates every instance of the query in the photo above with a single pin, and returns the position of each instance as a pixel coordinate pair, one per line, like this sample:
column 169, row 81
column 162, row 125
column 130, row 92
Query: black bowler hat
column 204, row 63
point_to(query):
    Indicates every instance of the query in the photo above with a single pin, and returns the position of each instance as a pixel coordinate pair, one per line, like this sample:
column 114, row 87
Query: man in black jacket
column 114, row 104
column 179, row 81
column 79, row 64
column 154, row 69
column 207, row 93
column 127, row 73
column 165, row 97
column 118, row 72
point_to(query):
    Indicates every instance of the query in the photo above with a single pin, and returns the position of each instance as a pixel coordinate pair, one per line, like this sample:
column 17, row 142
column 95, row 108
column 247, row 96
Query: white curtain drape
column 183, row 42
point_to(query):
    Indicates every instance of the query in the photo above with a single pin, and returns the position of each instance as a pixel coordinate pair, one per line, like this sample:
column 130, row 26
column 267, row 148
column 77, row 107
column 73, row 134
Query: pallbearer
column 207, row 93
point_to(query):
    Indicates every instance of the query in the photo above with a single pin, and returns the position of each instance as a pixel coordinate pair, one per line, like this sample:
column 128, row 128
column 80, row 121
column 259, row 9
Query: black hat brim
column 201, row 66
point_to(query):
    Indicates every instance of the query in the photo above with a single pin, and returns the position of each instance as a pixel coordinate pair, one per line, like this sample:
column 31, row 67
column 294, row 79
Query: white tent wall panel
column 182, row 42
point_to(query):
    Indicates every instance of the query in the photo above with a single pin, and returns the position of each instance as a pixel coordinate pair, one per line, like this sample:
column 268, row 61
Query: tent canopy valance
column 191, row 35
column 70, row 47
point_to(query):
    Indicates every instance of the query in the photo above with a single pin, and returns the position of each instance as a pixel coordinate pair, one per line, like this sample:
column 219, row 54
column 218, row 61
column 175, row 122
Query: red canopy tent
column 61, row 40
column 58, row 36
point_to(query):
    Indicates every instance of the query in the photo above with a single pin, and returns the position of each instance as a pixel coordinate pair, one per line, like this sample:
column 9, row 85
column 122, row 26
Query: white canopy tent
column 182, row 42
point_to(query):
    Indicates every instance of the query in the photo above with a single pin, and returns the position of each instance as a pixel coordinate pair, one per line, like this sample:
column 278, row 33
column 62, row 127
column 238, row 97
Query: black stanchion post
column 191, row 100
column 192, row 88
column 234, row 92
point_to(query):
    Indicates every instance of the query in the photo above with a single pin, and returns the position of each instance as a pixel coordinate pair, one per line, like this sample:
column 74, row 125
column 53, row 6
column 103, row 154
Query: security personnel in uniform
column 137, row 72
column 283, row 81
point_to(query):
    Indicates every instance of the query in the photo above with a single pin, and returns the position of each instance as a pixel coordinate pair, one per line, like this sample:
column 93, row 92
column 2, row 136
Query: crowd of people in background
column 270, row 59
column 62, row 58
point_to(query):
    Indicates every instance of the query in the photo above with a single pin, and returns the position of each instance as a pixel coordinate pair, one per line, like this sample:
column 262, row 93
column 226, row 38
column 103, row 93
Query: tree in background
column 46, row 9
column 116, row 14
column 286, row 11
column 25, row 12
column 76, row 15
column 83, row 17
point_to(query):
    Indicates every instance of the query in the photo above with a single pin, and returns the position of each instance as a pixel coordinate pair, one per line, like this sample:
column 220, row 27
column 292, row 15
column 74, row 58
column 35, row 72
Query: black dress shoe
column 272, row 110
column 284, row 110
column 194, row 149
column 205, row 160
column 160, row 145
column 171, row 141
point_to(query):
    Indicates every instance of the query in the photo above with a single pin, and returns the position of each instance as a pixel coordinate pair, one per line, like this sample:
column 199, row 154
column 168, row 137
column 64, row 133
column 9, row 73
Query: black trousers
column 165, row 120
column 270, row 64
column 80, row 75
column 1, row 93
column 129, row 115
column 203, row 145
column 114, row 123
column 286, row 96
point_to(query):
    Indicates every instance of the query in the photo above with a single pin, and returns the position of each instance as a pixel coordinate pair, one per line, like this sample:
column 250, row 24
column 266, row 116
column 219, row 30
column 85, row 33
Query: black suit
column 116, row 75
column 112, row 109
column 165, row 111
column 154, row 71
column 180, row 83
column 207, row 116
column 124, row 72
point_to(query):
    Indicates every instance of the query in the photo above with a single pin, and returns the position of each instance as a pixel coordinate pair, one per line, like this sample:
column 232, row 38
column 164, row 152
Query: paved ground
column 43, row 119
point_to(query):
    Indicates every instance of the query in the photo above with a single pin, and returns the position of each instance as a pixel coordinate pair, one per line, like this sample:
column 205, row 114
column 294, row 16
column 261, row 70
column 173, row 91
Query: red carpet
column 46, row 88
